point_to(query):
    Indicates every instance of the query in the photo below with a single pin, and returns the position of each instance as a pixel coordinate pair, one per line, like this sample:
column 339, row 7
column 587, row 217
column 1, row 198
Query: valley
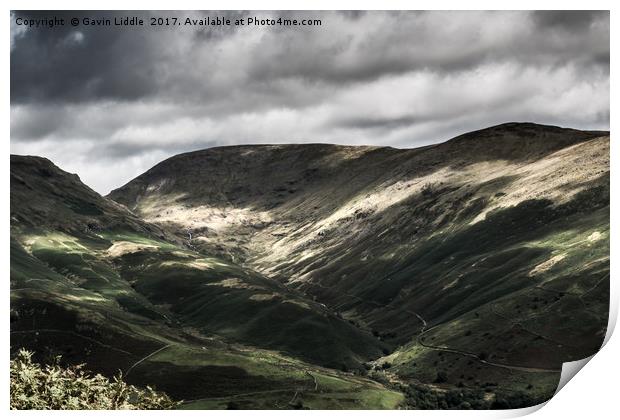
column 456, row 275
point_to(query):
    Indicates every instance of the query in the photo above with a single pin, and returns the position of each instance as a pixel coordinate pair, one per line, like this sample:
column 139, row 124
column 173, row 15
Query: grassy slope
column 102, row 287
column 494, row 245
column 543, row 300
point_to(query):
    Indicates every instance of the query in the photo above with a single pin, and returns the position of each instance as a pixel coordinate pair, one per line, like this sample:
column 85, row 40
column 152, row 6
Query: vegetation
column 53, row 387
column 425, row 398
column 454, row 276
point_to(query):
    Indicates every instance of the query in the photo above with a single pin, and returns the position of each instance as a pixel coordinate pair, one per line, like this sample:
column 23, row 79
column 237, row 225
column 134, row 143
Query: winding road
column 424, row 330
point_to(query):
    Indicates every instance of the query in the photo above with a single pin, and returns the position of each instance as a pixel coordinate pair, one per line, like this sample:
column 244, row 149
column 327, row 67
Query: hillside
column 93, row 282
column 481, row 256
column 325, row 276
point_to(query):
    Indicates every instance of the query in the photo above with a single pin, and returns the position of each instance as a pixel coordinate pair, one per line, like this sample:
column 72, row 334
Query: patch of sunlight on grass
column 120, row 248
column 56, row 241
column 264, row 296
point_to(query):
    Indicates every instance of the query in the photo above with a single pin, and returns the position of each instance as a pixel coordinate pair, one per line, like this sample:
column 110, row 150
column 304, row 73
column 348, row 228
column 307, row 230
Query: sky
column 109, row 102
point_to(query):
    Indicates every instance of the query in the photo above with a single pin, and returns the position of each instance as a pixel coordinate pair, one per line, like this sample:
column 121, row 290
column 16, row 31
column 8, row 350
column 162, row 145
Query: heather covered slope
column 485, row 258
column 93, row 282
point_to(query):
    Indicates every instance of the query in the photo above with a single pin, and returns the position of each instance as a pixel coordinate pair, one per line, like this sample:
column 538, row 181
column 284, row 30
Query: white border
column 592, row 395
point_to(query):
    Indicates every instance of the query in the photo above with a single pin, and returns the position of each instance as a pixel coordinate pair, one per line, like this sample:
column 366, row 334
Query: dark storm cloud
column 377, row 123
column 106, row 63
column 133, row 96
column 568, row 20
column 129, row 63
column 121, row 149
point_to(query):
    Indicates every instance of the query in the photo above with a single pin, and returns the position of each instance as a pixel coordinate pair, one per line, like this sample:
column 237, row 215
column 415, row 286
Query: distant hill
column 481, row 263
column 472, row 239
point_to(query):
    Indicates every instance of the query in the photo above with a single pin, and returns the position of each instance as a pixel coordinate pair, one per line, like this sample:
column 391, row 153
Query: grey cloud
column 569, row 20
column 121, row 150
column 352, row 14
column 189, row 64
column 92, row 98
column 377, row 123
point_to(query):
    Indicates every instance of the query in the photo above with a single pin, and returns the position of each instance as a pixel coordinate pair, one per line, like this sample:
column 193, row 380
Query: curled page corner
column 569, row 370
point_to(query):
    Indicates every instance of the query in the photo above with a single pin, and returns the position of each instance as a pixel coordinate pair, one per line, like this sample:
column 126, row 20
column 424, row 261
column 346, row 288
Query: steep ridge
column 45, row 197
column 93, row 282
column 483, row 255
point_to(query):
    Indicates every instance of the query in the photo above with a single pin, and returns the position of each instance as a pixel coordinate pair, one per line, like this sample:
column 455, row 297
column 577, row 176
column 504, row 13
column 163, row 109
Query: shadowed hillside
column 242, row 276
column 91, row 281
column 481, row 256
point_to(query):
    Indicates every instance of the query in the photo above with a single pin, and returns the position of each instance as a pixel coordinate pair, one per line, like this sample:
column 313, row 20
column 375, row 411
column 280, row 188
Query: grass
column 112, row 311
column 508, row 313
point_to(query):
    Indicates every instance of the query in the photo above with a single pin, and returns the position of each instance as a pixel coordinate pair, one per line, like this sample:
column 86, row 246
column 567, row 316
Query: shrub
column 441, row 377
column 424, row 397
column 52, row 387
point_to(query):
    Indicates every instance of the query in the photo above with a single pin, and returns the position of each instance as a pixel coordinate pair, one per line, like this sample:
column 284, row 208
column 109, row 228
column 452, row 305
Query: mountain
column 466, row 271
column 95, row 283
column 481, row 256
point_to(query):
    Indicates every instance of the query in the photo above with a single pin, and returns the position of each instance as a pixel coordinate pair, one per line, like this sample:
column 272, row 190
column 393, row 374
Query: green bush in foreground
column 51, row 387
